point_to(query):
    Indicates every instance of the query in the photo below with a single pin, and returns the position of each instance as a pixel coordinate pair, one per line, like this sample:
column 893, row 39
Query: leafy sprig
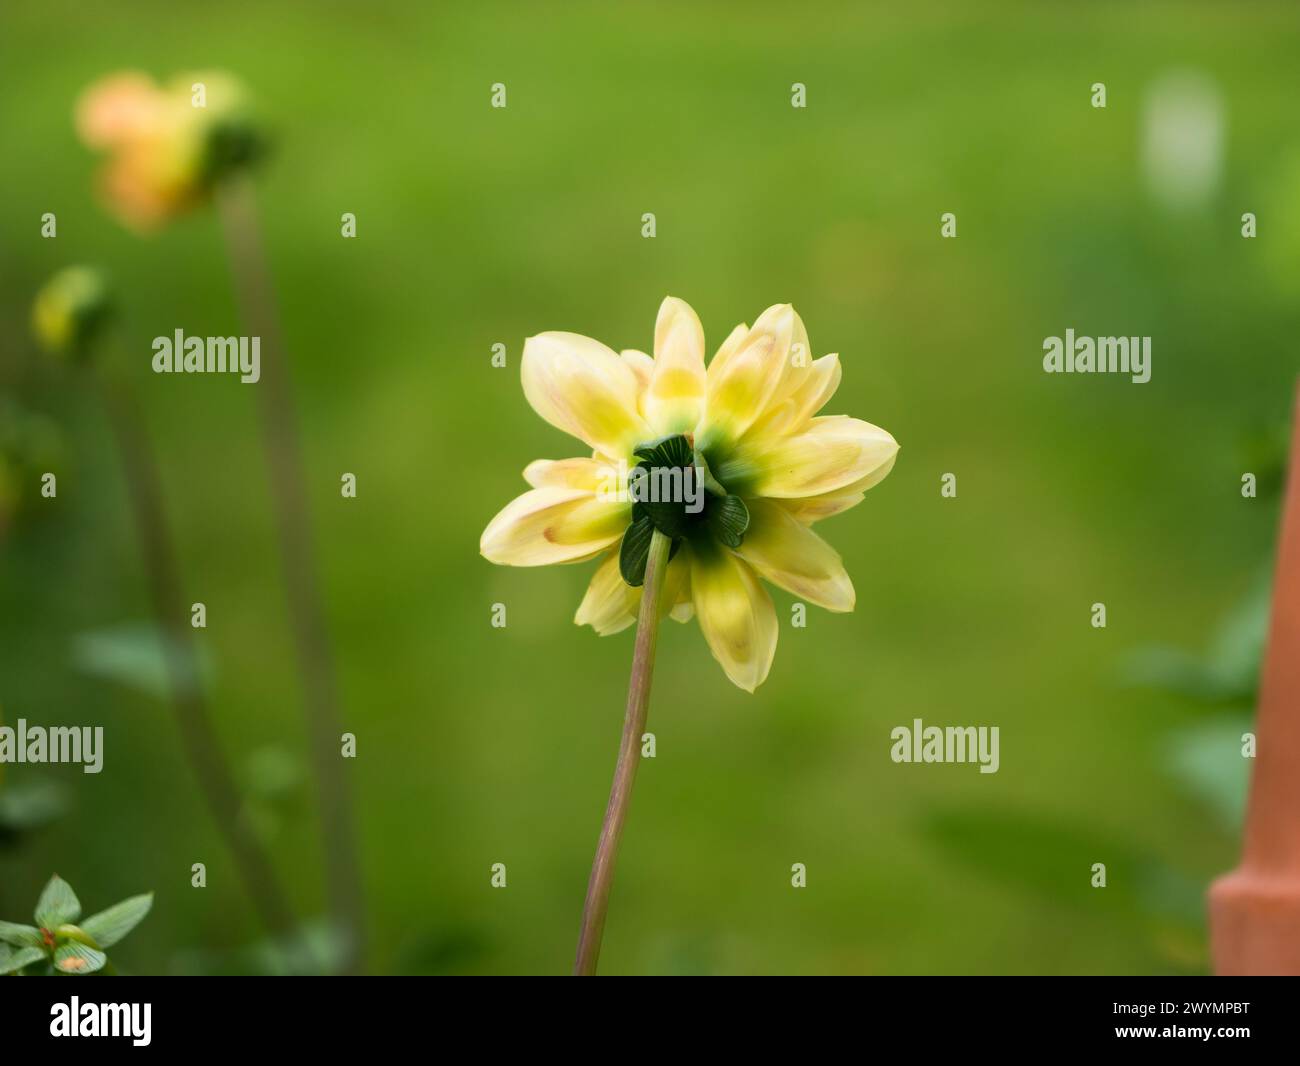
column 58, row 942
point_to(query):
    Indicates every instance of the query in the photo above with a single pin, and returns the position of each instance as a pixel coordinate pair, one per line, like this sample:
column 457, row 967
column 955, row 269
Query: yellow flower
column 166, row 144
column 751, row 421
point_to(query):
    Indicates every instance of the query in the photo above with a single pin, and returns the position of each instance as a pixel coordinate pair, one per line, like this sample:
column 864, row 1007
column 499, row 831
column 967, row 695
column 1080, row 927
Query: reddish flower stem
column 629, row 756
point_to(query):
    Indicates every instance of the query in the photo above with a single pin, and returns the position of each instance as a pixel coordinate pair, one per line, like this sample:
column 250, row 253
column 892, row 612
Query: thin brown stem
column 629, row 757
column 314, row 655
column 199, row 738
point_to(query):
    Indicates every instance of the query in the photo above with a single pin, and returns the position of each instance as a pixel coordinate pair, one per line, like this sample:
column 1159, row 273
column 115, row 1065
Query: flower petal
column 728, row 347
column 683, row 609
column 793, row 557
column 589, row 474
column 674, row 398
column 806, row 389
column 580, row 386
column 812, row 509
column 835, row 453
column 552, row 525
column 643, row 367
column 735, row 612
column 611, row 604
column 116, row 108
column 742, row 380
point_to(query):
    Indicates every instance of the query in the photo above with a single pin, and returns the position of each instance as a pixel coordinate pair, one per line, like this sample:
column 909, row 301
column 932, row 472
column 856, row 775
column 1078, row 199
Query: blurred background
column 475, row 226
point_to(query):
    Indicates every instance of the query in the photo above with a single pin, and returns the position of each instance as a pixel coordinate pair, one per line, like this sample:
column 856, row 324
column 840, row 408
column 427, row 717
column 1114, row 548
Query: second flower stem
column 193, row 716
column 306, row 609
column 629, row 756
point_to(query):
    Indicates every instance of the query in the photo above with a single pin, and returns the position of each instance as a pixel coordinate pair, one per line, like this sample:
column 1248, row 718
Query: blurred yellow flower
column 747, row 425
column 167, row 145
column 69, row 311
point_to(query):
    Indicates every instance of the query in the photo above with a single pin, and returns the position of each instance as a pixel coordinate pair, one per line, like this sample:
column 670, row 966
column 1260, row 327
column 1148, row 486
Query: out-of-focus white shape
column 1182, row 138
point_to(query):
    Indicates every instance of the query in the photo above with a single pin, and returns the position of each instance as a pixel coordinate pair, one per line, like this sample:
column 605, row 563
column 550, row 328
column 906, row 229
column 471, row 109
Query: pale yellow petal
column 741, row 383
column 871, row 478
column 736, row 614
column 812, row 509
column 677, row 586
column 798, row 358
column 593, row 475
column 552, row 525
column 805, row 390
column 584, row 388
column 610, row 604
column 728, row 347
column 674, row 399
column 834, row 454
column 683, row 609
column 791, row 556
column 643, row 367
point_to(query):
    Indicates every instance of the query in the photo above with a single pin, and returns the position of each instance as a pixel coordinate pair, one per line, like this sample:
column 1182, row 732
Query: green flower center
column 673, row 492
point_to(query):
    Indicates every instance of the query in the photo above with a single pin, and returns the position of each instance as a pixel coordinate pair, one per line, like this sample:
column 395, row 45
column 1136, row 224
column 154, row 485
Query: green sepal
column 635, row 551
column 728, row 518
column 670, row 517
column 673, row 459
column 667, row 451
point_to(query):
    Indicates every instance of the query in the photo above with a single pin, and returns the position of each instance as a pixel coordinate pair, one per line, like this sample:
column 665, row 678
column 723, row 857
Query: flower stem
column 629, row 756
column 193, row 716
column 283, row 447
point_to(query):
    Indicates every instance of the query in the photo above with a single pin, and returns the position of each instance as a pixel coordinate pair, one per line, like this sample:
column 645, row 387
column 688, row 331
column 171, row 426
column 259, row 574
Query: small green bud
column 69, row 931
column 70, row 311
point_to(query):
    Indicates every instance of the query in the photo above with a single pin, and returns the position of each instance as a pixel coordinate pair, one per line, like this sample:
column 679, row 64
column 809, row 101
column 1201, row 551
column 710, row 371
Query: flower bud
column 70, row 311
column 168, row 146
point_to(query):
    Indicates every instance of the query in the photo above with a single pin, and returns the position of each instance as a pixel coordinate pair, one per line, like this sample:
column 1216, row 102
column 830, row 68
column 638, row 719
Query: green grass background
column 475, row 225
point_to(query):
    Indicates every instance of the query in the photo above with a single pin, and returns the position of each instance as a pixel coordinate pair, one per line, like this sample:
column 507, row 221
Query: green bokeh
column 477, row 226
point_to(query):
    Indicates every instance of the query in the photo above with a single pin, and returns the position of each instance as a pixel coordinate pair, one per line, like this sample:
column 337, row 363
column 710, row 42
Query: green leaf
column 109, row 926
column 11, row 961
column 78, row 959
column 728, row 519
column 28, row 805
column 21, row 936
column 1206, row 760
column 58, row 904
column 635, row 551
column 136, row 656
column 1238, row 647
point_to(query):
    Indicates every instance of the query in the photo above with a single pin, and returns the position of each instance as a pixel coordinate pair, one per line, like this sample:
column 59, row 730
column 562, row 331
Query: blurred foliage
column 136, row 655
column 1206, row 758
column 1228, row 671
column 30, row 446
column 28, row 806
